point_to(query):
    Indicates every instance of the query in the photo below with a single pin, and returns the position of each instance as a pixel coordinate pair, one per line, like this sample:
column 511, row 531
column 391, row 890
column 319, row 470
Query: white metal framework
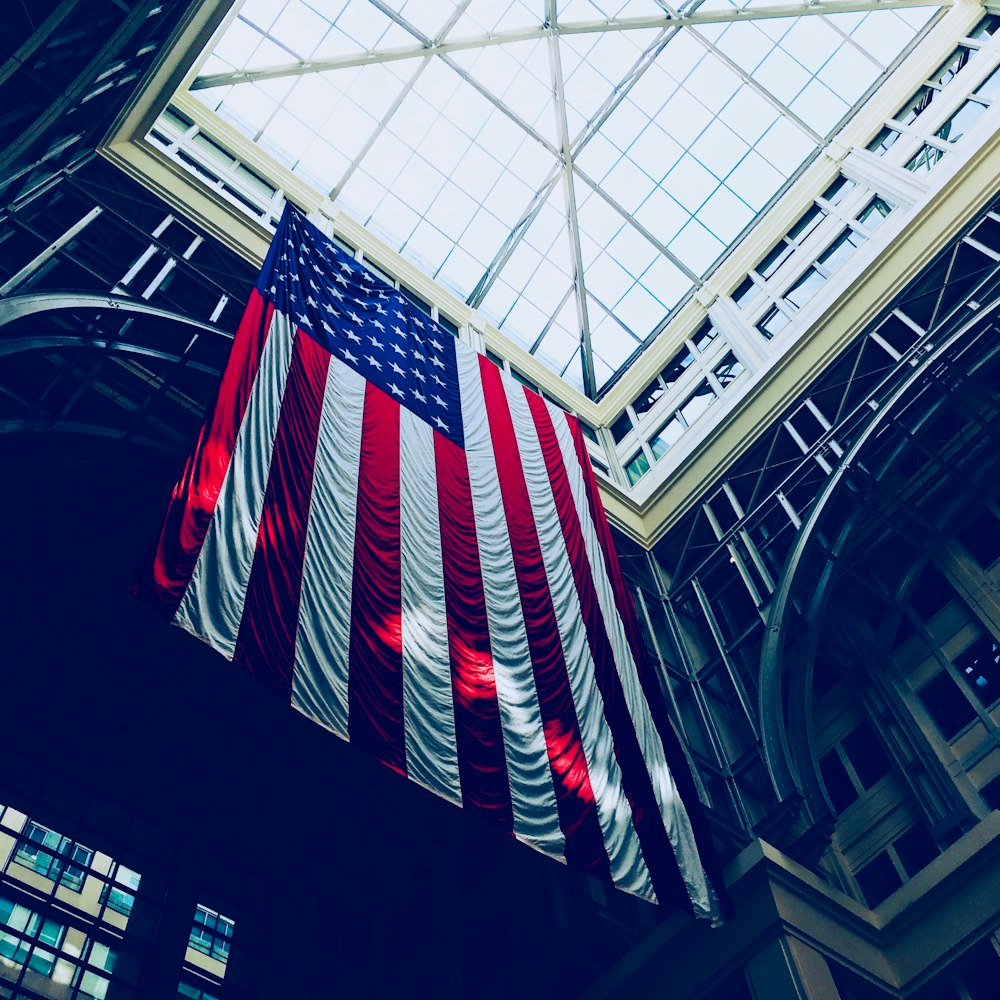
column 573, row 169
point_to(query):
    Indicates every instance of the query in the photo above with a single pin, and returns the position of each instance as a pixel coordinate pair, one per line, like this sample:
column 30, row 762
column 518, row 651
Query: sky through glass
column 570, row 169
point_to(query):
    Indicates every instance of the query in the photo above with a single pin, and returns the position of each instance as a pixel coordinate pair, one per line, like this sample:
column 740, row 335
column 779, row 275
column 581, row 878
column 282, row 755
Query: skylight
column 571, row 169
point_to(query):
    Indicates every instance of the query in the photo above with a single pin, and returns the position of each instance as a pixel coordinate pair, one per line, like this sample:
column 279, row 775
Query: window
column 728, row 370
column 636, row 467
column 772, row 323
column 960, row 122
column 838, row 190
column 925, row 159
column 874, row 213
column 884, row 141
column 979, row 665
column 666, row 437
column 29, row 928
column 621, row 427
column 211, row 933
column 878, row 879
column 946, row 705
column 696, row 404
column 119, row 895
column 50, row 854
column 852, row 766
column 185, row 991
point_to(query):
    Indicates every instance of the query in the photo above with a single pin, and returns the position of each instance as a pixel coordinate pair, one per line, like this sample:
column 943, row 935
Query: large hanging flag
column 410, row 547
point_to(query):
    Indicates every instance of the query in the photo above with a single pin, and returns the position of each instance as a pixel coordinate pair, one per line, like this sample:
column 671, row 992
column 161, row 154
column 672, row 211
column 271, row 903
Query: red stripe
column 673, row 751
column 193, row 501
column 574, row 794
column 482, row 763
column 266, row 642
column 656, row 847
column 375, row 682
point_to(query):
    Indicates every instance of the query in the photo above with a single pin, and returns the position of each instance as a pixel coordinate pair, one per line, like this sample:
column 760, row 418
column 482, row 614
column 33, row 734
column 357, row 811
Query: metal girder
column 694, row 19
column 21, row 306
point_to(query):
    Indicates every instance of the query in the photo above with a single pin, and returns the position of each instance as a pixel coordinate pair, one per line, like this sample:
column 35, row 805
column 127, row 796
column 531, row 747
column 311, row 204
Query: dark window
column 924, row 160
column 524, row 380
column 745, row 292
column 946, row 705
column 897, row 334
column 666, row 437
column 990, row 87
column 809, row 221
column 645, row 400
column 424, row 307
column 930, row 593
column 916, row 848
column 50, row 854
column 805, row 288
column 960, row 122
column 774, row 259
column 874, row 213
column 637, row 467
column 954, row 63
column 979, row 665
column 883, row 141
column 448, row 325
column 866, row 755
column 621, row 427
column 980, row 535
column 677, row 367
column 495, row 358
column 588, row 431
column 878, row 879
column 916, row 105
column 839, row 786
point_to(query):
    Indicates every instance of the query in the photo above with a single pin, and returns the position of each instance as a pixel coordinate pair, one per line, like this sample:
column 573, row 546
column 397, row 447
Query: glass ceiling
column 572, row 169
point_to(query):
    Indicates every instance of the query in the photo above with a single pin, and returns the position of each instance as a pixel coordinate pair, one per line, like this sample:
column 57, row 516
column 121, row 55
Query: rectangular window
column 648, row 397
column 772, row 323
column 884, row 141
column 119, row 895
column 636, row 467
column 915, row 106
column 840, row 250
column 805, row 288
column 924, row 160
column 705, row 335
column 728, row 369
column 838, row 190
column 979, row 665
column 878, row 879
column 677, row 366
column 874, row 213
column 50, row 854
column 960, row 122
column 696, row 404
column 666, row 437
column 989, row 89
column 211, row 933
column 621, row 427
column 946, row 705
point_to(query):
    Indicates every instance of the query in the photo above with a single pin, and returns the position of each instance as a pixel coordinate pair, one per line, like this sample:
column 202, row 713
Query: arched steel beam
column 774, row 729
column 35, row 303
column 46, row 426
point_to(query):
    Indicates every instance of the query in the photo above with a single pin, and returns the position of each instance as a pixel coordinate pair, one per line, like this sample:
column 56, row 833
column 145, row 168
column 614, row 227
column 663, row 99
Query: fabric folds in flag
column 409, row 547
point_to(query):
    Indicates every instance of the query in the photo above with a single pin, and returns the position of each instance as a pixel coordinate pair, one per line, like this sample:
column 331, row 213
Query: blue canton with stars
column 364, row 322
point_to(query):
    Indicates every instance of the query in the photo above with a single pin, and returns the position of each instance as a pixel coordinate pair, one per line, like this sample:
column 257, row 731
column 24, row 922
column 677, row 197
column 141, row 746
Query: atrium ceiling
column 573, row 170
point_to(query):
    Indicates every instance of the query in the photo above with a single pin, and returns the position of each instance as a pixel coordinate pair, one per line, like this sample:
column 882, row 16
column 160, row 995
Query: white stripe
column 628, row 866
column 322, row 642
column 428, row 709
column 212, row 605
column 675, row 817
column 533, row 799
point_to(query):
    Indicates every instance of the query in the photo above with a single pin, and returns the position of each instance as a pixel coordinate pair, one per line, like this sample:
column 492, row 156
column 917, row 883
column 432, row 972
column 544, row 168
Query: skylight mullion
column 541, row 31
column 555, row 62
column 386, row 118
column 505, row 252
column 766, row 94
column 636, row 225
column 855, row 44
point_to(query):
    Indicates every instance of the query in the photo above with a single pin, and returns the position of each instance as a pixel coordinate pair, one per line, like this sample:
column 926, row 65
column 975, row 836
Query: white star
column 381, row 309
column 348, row 356
column 396, row 330
column 344, row 266
column 303, row 320
column 437, row 346
column 435, row 360
column 419, row 356
column 396, row 390
column 378, row 325
column 436, row 379
column 417, row 394
column 284, row 256
column 376, row 343
column 373, row 361
column 351, row 335
column 310, row 301
column 340, row 279
column 281, row 277
column 441, row 423
column 440, row 402
column 401, row 315
column 335, row 292
column 274, row 289
column 329, row 329
column 396, row 368
column 294, row 276
column 399, row 350
column 418, row 321
column 417, row 374
column 357, row 319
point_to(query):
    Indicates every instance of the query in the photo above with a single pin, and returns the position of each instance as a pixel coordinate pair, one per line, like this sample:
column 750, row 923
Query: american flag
column 410, row 547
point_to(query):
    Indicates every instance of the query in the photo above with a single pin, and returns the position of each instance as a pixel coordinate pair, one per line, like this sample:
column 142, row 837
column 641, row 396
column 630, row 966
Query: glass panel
column 728, row 369
column 699, row 401
column 666, row 437
column 773, row 322
column 805, row 288
column 840, row 250
column 925, row 159
column 637, row 467
column 874, row 213
column 960, row 122
column 883, row 141
column 979, row 665
column 645, row 400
